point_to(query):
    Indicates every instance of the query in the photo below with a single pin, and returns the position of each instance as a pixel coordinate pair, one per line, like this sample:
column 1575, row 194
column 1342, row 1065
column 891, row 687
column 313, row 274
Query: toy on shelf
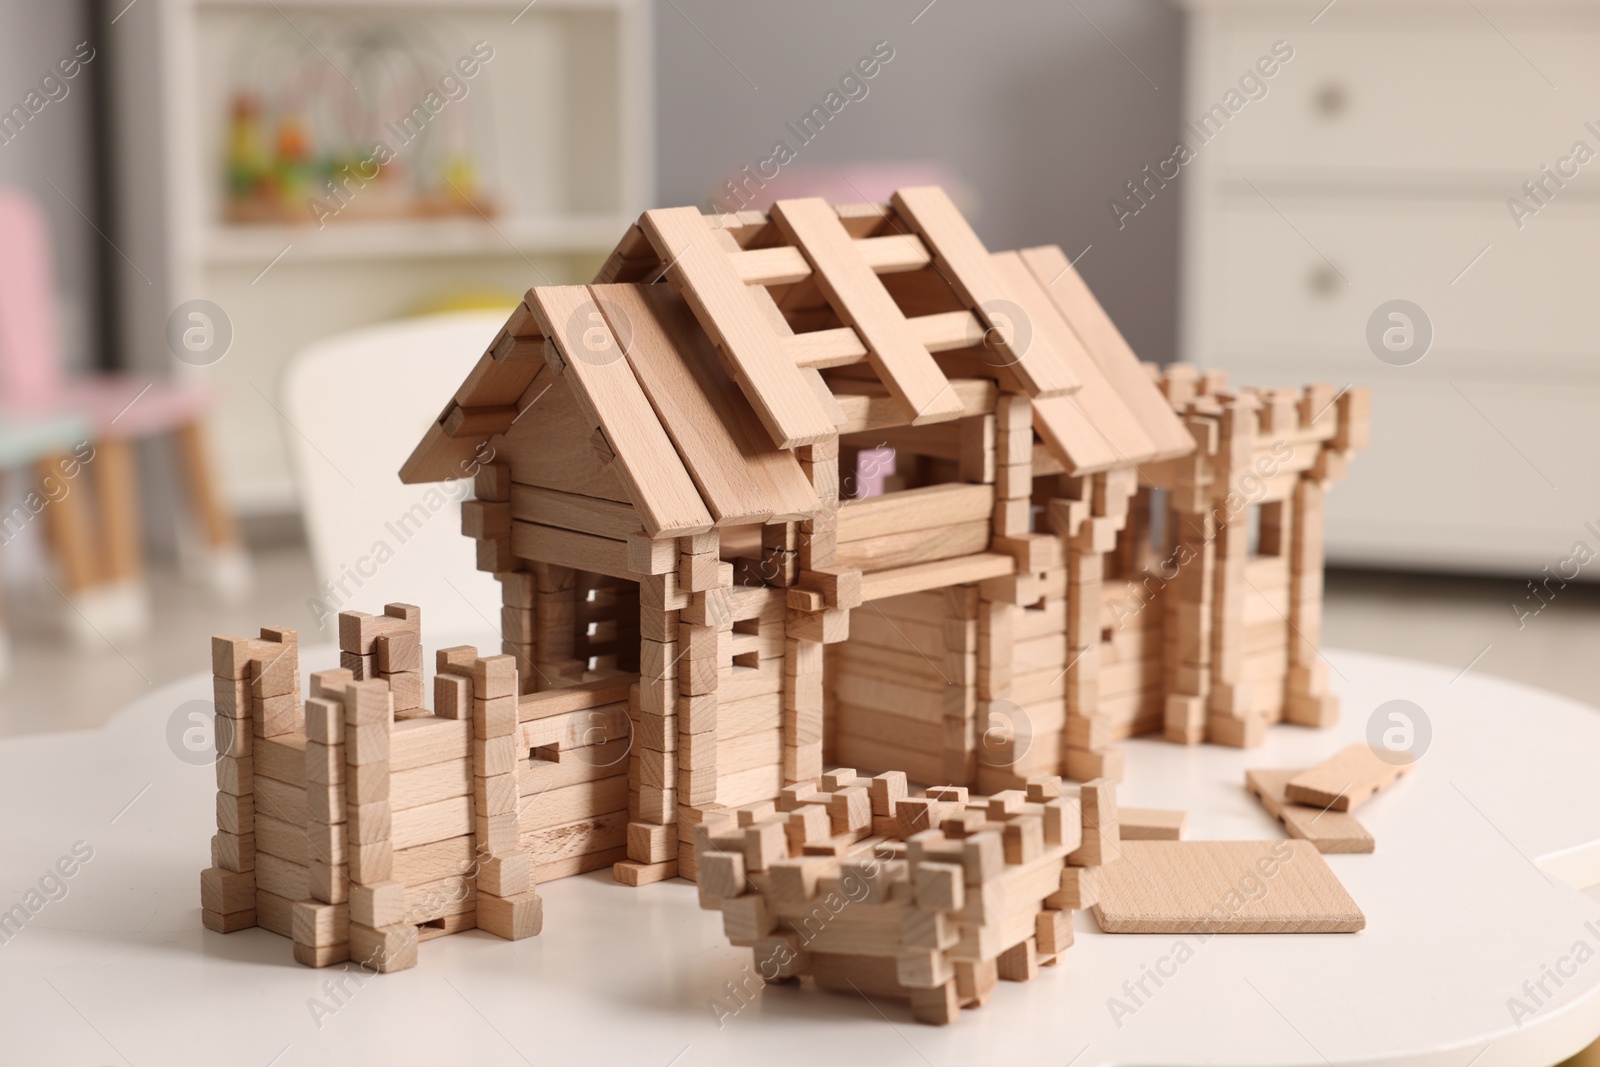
column 359, row 121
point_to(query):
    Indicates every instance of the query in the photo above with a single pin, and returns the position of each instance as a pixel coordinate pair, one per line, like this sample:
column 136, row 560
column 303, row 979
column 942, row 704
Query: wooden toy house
column 1073, row 548
column 834, row 486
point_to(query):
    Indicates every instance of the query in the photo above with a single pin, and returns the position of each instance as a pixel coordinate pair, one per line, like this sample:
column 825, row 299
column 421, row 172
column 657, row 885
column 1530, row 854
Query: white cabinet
column 561, row 142
column 1378, row 167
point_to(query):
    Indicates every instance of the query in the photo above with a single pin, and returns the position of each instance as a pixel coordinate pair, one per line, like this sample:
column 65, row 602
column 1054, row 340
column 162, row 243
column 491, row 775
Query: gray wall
column 1028, row 106
column 55, row 147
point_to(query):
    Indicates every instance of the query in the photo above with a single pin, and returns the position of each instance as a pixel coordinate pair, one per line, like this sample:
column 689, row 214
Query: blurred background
column 249, row 247
column 204, row 198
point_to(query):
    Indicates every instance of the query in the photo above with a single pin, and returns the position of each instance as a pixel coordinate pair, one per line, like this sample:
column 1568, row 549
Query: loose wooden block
column 369, row 824
column 1151, row 824
column 227, row 923
column 320, row 924
column 939, row 886
column 398, row 652
column 452, row 696
column 494, row 755
column 405, row 688
column 1327, row 829
column 370, row 863
column 512, row 918
column 1345, row 780
column 634, row 873
column 1210, row 887
column 235, row 814
column 390, row 948
column 494, row 676
column 321, row 955
column 226, row 891
column 506, row 876
column 324, row 720
column 721, row 874
column 1052, row 929
column 1019, row 963
column 494, row 795
column 368, row 703
column 378, row 903
column 495, row 717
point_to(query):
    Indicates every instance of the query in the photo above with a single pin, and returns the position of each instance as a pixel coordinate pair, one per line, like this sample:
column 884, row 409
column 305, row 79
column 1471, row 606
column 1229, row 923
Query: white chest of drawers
column 1378, row 166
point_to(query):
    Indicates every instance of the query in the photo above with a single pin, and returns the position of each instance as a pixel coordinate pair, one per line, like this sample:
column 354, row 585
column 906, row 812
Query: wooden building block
column 1329, row 830
column 512, row 918
column 1345, row 780
column 1151, row 824
column 1209, row 887
column 390, row 948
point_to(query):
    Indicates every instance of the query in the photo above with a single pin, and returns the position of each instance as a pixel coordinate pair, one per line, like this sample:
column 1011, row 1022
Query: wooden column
column 1231, row 718
column 380, row 938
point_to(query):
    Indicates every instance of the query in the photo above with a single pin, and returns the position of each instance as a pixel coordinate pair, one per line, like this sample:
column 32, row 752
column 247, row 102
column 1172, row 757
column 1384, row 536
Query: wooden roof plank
column 966, row 265
column 1105, row 343
column 1093, row 428
column 700, row 269
column 604, row 384
column 861, row 301
column 741, row 475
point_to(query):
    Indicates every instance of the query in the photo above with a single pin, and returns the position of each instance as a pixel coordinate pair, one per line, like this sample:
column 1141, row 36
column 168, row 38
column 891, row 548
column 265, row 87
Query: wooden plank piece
column 741, row 475
column 1217, row 887
column 967, row 266
column 1330, row 831
column 1345, row 780
column 611, row 396
column 699, row 268
column 1151, row 824
column 1106, row 345
column 861, row 301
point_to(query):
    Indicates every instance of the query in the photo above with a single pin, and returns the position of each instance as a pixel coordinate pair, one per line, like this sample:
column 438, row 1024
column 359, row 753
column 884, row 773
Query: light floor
column 1455, row 622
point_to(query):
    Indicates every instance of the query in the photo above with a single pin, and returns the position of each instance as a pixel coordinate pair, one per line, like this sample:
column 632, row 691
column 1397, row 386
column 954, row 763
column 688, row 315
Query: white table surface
column 1466, row 898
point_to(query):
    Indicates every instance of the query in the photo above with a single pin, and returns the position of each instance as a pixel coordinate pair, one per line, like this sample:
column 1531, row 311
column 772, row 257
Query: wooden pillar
column 321, row 923
column 507, row 905
column 555, row 620
column 1231, row 718
column 1307, row 701
column 380, row 938
column 1186, row 641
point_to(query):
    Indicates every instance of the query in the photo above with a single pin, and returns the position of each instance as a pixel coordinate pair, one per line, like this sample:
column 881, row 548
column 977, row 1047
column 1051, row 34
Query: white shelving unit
column 1378, row 167
column 563, row 116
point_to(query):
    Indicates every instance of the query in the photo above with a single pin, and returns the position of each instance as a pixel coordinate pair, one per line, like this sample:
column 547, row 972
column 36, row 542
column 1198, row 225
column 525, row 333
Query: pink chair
column 102, row 562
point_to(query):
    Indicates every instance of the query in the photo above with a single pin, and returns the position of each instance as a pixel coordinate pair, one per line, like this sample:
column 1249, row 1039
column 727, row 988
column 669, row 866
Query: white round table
column 1470, row 901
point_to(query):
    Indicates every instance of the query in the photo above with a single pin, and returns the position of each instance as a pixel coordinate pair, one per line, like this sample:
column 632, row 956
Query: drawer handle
column 1330, row 100
column 1324, row 281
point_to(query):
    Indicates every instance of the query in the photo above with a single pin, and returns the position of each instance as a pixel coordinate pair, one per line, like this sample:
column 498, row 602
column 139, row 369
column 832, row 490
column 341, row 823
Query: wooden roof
column 696, row 361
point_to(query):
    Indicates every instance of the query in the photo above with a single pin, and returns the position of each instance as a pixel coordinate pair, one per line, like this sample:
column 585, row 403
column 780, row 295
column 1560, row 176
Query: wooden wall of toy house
column 569, row 100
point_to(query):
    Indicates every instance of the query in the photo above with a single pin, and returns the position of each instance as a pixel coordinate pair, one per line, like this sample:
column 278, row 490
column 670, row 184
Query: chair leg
column 68, row 527
column 228, row 566
column 117, row 477
column 106, row 594
column 216, row 521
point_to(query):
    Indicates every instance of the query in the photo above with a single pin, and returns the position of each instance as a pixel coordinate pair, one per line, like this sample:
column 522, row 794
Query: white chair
column 357, row 404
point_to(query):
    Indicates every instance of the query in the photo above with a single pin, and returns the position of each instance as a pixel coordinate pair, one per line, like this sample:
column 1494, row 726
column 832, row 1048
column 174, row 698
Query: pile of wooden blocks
column 1315, row 803
column 353, row 825
column 386, row 648
column 256, row 693
column 931, row 899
